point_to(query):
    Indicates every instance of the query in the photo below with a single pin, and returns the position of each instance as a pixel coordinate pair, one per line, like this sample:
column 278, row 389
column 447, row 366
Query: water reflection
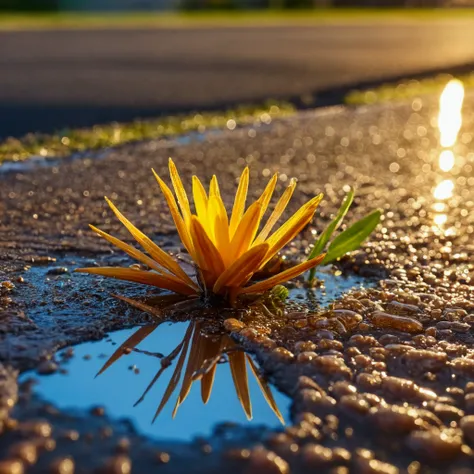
column 446, row 160
column 450, row 116
column 213, row 369
column 444, row 190
column 197, row 356
column 449, row 124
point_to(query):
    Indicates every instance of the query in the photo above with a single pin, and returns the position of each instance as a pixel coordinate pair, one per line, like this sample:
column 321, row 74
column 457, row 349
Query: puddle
column 238, row 393
column 335, row 284
column 122, row 384
column 37, row 162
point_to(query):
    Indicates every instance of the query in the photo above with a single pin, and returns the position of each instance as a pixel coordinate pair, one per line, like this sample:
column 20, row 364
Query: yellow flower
column 227, row 252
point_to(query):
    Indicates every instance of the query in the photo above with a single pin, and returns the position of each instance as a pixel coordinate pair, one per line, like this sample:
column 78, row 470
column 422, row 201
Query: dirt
column 381, row 381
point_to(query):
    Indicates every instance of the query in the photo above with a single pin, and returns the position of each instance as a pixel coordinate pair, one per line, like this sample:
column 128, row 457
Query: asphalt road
column 55, row 79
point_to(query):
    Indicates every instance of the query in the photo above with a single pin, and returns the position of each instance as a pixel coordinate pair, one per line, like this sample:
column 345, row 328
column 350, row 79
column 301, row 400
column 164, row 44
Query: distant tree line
column 29, row 5
column 52, row 5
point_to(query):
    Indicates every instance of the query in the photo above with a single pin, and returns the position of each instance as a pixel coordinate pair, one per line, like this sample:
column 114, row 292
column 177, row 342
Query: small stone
column 38, row 428
column 400, row 323
column 97, row 411
column 162, row 457
column 233, row 325
column 394, row 419
column 435, row 446
column 314, row 402
column 123, row 445
column 57, row 271
column 316, row 456
column 11, row 466
column 467, row 426
column 364, row 465
column 62, row 466
column 25, row 451
column 262, row 460
column 118, row 465
column 47, row 367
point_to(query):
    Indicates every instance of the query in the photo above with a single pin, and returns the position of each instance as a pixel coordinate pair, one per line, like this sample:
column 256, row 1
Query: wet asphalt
column 57, row 79
column 381, row 381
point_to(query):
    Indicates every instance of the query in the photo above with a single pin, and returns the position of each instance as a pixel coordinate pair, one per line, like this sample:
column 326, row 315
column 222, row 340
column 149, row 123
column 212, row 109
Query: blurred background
column 137, row 5
column 69, row 64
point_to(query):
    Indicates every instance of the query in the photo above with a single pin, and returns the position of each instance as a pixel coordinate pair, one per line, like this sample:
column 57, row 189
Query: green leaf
column 323, row 239
column 327, row 233
column 352, row 237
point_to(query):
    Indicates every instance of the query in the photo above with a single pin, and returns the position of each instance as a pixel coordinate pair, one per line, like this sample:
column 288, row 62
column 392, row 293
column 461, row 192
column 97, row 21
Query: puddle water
column 205, row 363
column 235, row 390
column 37, row 162
column 334, row 286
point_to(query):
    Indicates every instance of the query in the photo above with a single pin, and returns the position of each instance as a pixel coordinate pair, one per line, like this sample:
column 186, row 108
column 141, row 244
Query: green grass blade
column 352, row 237
column 323, row 239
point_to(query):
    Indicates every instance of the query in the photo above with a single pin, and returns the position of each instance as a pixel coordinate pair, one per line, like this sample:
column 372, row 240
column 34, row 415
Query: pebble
column 261, row 461
column 11, row 466
column 435, row 446
column 394, row 420
column 399, row 323
column 57, row 271
column 63, row 465
column 467, row 426
column 25, row 451
column 47, row 367
column 118, row 465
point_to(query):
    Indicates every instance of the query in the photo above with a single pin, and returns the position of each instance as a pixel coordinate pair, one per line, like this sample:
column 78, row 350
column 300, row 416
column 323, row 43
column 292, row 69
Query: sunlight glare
column 446, row 160
column 444, row 190
column 440, row 219
column 450, row 116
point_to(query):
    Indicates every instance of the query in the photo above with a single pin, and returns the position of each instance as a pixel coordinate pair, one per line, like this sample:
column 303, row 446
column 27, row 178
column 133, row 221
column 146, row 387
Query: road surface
column 55, row 79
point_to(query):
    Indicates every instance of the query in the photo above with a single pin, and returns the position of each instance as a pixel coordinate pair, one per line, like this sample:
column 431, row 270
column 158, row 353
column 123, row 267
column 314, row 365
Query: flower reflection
column 450, row 116
column 197, row 356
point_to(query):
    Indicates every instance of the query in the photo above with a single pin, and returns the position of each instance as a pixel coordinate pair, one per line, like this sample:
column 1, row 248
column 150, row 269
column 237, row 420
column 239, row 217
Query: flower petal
column 266, row 196
column 246, row 231
column 156, row 253
column 207, row 255
column 239, row 203
column 140, row 276
column 200, row 199
column 246, row 264
column 293, row 272
column 214, row 187
column 178, row 220
column 128, row 249
column 180, row 191
column 277, row 212
column 219, row 222
column 292, row 227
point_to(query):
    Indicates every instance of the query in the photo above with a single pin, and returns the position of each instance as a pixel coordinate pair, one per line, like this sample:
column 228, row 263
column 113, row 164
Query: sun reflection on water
column 450, row 112
column 444, row 190
column 449, row 124
column 446, row 160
